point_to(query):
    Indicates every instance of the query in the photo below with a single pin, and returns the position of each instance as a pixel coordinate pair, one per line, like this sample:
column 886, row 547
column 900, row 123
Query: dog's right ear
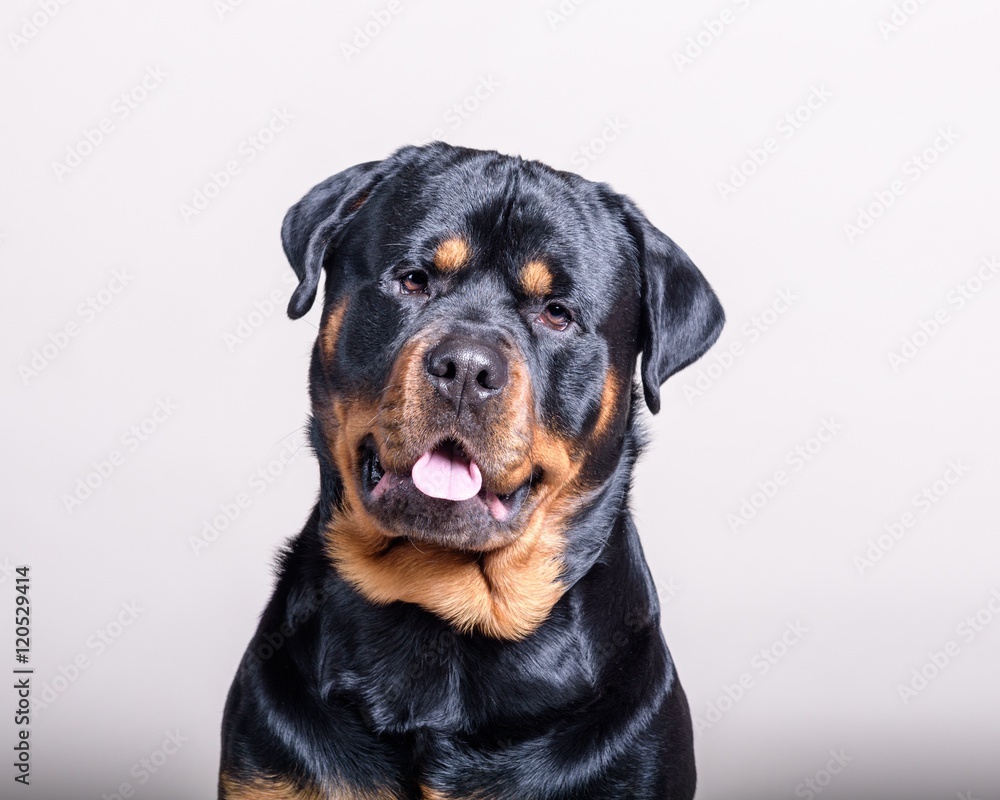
column 681, row 316
column 315, row 222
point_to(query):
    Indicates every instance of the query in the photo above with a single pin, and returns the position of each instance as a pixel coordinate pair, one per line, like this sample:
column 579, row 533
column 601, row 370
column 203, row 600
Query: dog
column 467, row 613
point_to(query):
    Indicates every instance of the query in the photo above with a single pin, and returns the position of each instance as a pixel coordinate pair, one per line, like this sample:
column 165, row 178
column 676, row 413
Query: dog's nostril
column 442, row 368
column 493, row 376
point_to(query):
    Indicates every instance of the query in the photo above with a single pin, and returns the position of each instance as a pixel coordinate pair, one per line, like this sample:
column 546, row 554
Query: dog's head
column 472, row 380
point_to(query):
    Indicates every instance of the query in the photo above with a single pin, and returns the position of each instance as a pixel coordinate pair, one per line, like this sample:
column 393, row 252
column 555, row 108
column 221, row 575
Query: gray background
column 598, row 89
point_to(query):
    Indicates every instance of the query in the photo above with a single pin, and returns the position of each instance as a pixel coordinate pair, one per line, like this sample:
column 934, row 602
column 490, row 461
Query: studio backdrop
column 818, row 501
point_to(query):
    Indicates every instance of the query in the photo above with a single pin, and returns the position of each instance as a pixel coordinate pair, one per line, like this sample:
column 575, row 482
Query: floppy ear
column 681, row 316
column 314, row 223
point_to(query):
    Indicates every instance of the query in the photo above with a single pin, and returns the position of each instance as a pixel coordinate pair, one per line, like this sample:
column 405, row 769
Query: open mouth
column 444, row 479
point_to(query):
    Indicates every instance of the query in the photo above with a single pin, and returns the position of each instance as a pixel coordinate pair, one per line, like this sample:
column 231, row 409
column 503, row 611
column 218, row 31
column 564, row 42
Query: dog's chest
column 452, row 683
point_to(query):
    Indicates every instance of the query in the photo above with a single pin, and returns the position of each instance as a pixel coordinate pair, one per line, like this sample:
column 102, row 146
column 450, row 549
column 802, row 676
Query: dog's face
column 473, row 374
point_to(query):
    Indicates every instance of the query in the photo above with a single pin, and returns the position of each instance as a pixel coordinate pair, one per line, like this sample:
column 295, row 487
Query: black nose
column 466, row 370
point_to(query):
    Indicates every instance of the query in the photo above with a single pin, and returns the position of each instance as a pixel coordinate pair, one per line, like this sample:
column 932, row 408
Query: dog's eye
column 556, row 316
column 414, row 282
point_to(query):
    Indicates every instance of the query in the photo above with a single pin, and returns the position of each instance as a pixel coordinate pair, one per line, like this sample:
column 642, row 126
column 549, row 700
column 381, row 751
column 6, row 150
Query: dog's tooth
column 377, row 472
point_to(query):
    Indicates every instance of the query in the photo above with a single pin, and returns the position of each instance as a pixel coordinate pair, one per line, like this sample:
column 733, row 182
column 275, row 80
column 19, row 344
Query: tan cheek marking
column 452, row 254
column 284, row 789
column 508, row 438
column 344, row 426
column 331, row 330
column 401, row 419
column 609, row 396
column 536, row 279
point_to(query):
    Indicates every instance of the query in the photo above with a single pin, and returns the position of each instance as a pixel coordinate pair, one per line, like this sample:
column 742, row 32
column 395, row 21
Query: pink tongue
column 439, row 473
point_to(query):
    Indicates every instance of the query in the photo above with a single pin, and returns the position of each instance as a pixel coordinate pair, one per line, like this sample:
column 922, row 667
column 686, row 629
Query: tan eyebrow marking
column 452, row 254
column 536, row 278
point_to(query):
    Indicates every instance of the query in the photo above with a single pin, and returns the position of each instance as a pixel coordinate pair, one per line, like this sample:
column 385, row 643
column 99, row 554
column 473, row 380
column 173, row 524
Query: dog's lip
column 377, row 482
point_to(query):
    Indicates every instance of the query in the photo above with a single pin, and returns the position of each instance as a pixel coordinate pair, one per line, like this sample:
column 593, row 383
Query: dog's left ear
column 315, row 222
column 681, row 316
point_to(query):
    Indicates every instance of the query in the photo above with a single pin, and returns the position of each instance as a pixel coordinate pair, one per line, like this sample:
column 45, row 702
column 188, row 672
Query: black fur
column 335, row 689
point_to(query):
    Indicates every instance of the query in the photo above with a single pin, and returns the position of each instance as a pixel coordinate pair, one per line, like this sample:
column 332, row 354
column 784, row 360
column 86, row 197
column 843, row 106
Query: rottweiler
column 467, row 613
